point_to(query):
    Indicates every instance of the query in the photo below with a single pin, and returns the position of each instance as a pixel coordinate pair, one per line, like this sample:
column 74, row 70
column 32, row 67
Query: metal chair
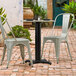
column 9, row 43
column 58, row 39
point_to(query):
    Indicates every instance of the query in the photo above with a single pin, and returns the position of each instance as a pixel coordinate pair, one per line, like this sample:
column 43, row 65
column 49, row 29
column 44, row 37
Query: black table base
column 38, row 45
column 41, row 61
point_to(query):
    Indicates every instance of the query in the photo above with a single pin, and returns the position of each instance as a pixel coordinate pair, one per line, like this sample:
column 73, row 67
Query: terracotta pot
column 27, row 14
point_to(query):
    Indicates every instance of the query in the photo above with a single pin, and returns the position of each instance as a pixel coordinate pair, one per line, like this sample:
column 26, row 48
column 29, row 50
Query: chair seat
column 55, row 37
column 18, row 39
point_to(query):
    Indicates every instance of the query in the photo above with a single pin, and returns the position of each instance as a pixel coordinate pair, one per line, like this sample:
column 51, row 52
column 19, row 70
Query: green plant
column 74, row 24
column 71, row 8
column 29, row 3
column 19, row 31
column 39, row 11
column 43, row 13
column 3, row 15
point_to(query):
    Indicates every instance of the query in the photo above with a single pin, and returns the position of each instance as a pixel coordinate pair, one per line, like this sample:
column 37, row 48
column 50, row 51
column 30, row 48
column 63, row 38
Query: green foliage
column 43, row 13
column 39, row 11
column 19, row 31
column 74, row 25
column 3, row 15
column 71, row 8
column 29, row 3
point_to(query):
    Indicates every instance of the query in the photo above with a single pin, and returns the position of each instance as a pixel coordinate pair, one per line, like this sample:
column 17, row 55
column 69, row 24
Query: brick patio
column 64, row 68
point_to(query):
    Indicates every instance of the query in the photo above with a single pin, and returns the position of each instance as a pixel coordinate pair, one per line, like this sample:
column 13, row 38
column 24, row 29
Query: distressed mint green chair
column 9, row 43
column 58, row 39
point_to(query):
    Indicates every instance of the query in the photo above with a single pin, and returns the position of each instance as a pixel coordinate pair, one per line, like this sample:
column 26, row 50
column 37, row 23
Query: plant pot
column 27, row 14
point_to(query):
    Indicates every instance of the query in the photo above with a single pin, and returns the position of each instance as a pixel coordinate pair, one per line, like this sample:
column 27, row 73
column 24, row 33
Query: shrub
column 19, row 31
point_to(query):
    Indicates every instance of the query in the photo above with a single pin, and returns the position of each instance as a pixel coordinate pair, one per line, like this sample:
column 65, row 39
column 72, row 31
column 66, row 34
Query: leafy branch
column 3, row 15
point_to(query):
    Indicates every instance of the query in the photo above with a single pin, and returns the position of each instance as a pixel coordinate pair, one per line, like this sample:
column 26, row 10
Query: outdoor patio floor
column 66, row 67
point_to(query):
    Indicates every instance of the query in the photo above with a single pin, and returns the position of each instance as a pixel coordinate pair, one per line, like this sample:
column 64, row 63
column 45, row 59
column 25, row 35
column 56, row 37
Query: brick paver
column 64, row 68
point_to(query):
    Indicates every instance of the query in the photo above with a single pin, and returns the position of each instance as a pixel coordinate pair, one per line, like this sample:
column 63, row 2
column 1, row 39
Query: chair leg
column 57, row 49
column 4, row 51
column 29, row 52
column 44, row 41
column 9, row 52
column 22, row 52
column 69, row 50
column 42, row 48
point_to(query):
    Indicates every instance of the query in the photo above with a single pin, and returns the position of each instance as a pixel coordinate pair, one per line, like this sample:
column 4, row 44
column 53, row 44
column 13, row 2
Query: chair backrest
column 65, row 22
column 2, row 29
column 4, row 34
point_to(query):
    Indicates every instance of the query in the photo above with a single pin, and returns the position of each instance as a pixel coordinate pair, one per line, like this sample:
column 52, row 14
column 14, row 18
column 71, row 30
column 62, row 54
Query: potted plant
column 19, row 32
column 27, row 11
column 39, row 12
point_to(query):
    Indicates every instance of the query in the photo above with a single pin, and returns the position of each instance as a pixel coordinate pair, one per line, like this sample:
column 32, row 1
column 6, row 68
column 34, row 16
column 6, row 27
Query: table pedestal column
column 37, row 41
column 38, row 45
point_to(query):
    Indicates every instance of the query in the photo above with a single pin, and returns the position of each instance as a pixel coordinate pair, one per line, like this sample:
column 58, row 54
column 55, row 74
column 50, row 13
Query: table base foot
column 41, row 61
